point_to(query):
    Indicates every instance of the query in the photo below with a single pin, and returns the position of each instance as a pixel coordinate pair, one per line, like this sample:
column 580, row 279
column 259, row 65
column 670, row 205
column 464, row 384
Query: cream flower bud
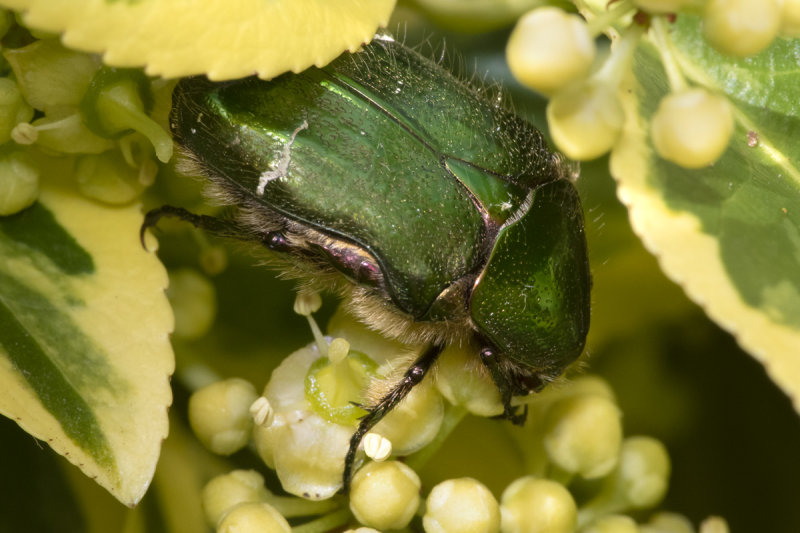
column 194, row 302
column 714, row 524
column 585, row 119
column 385, row 495
column 550, row 48
column 461, row 505
column 253, row 518
column 224, row 492
column 220, row 415
column 462, row 380
column 613, row 523
column 583, row 435
column 667, row 523
column 415, row 421
column 19, row 186
column 532, row 505
column 642, row 475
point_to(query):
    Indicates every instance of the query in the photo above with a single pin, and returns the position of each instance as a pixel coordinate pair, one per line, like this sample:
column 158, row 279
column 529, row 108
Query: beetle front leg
column 413, row 376
column 217, row 226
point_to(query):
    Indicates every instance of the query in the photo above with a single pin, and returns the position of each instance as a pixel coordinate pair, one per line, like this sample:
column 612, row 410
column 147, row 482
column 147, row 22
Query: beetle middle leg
column 412, row 377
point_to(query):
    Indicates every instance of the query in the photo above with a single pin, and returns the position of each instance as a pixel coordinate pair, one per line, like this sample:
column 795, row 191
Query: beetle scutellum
column 438, row 215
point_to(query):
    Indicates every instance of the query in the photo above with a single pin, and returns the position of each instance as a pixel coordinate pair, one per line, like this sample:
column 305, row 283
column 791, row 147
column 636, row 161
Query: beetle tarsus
column 412, row 377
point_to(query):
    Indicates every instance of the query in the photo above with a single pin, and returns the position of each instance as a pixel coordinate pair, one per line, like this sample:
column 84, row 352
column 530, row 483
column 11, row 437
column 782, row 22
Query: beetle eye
column 276, row 241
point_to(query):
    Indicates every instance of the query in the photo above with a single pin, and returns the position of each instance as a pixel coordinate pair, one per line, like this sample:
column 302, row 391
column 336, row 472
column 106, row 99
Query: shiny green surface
column 398, row 157
column 532, row 300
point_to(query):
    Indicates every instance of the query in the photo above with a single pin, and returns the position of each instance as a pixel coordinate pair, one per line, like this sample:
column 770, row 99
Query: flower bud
column 583, row 435
column 194, row 303
column 550, row 48
column 108, row 178
column 613, row 523
column 532, row 505
column 13, row 108
column 461, row 505
column 253, row 518
column 19, row 186
column 642, row 475
column 585, row 119
column 64, row 131
column 49, row 75
column 463, row 381
column 667, row 523
column 692, row 128
column 714, row 524
column 385, row 495
column 224, row 492
column 220, row 415
column 415, row 421
column 741, row 27
column 790, row 18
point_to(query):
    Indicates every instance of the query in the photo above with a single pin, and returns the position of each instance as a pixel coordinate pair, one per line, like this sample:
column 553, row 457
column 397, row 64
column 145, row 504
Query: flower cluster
column 583, row 474
column 554, row 52
column 63, row 113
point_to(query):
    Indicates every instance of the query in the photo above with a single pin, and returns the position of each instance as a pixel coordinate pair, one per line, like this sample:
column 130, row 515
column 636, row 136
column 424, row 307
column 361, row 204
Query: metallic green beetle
column 440, row 216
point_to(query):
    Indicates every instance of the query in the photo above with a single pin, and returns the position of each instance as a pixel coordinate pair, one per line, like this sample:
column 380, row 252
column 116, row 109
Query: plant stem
column 325, row 523
column 290, row 506
column 664, row 45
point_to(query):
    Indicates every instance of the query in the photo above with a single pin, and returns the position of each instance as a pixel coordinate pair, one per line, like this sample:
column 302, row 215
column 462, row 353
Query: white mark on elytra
column 283, row 162
column 525, row 297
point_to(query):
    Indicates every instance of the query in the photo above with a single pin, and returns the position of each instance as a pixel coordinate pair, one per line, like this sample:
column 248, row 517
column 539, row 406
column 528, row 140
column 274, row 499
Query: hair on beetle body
column 437, row 215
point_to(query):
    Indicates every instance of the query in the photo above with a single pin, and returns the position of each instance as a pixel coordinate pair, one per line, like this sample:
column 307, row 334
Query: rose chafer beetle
column 438, row 215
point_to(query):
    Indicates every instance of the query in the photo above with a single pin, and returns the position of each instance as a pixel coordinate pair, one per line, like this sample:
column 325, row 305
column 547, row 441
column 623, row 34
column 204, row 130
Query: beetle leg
column 413, row 376
column 218, row 226
column 505, row 385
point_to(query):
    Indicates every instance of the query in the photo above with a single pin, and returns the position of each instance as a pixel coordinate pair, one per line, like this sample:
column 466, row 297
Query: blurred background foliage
column 732, row 435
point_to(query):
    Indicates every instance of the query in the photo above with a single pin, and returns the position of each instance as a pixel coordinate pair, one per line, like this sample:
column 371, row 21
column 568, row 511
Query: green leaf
column 221, row 38
column 728, row 234
column 85, row 357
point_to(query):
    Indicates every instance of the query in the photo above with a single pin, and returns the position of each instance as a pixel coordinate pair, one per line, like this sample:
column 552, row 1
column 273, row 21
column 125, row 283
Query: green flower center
column 334, row 388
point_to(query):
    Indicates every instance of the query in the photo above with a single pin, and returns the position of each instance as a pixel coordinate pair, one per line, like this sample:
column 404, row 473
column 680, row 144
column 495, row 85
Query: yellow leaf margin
column 222, row 38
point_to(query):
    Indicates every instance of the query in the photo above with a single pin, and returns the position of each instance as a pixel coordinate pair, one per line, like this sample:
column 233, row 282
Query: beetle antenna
column 412, row 377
